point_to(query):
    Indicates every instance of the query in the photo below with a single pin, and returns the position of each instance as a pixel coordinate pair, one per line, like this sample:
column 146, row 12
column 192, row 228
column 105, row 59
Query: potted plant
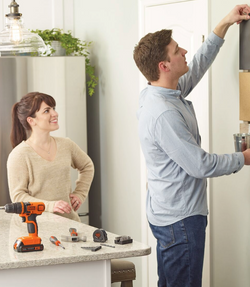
column 70, row 46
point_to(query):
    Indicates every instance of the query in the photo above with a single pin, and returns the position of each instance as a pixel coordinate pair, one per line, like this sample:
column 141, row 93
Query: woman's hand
column 62, row 207
column 75, row 201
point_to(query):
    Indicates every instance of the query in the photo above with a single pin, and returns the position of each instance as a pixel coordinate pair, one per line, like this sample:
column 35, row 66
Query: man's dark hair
column 150, row 51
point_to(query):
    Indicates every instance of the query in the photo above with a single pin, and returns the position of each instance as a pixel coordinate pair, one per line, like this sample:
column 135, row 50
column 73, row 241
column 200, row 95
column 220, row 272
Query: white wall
column 44, row 14
column 230, row 195
column 113, row 142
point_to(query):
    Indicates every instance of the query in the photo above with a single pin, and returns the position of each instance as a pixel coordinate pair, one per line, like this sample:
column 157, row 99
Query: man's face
column 176, row 60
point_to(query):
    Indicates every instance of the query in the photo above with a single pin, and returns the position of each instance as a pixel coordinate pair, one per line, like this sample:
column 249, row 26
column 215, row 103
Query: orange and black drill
column 28, row 211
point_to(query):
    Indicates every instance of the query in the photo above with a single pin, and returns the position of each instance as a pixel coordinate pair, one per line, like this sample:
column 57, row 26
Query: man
column 170, row 140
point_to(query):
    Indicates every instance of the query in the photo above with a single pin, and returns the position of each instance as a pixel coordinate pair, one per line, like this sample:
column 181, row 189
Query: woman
column 39, row 165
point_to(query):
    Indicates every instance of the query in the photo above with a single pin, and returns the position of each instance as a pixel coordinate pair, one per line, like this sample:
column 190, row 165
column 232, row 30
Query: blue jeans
column 180, row 252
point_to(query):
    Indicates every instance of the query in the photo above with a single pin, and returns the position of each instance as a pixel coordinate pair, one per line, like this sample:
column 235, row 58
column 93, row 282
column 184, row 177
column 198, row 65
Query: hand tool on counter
column 73, row 232
column 92, row 248
column 107, row 245
column 77, row 238
column 28, row 211
column 100, row 235
column 55, row 241
column 74, row 236
column 123, row 239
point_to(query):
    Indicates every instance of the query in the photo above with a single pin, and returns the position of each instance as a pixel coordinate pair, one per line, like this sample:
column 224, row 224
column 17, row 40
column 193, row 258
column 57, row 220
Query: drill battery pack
column 19, row 246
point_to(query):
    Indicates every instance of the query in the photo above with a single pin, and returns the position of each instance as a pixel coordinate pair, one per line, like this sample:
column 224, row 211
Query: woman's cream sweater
column 32, row 178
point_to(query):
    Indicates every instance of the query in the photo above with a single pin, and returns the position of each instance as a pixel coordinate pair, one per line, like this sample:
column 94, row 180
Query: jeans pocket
column 170, row 235
column 164, row 235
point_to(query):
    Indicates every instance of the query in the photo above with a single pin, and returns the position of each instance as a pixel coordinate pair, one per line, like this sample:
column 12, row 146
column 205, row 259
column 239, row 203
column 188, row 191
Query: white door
column 189, row 27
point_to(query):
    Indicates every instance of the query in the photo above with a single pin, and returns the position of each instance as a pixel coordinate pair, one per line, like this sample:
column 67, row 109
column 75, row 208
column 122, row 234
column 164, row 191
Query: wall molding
column 68, row 16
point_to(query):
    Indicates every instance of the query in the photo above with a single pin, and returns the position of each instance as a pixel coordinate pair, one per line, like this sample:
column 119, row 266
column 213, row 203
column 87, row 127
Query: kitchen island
column 55, row 266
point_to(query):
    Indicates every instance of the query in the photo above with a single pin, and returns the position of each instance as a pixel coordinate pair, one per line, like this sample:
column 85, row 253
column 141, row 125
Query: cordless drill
column 28, row 211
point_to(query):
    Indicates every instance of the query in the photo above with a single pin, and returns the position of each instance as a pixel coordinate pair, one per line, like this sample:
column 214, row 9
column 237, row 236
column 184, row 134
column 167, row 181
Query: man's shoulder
column 157, row 104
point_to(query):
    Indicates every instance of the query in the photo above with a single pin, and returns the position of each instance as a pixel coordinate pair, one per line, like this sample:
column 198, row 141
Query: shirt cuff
column 241, row 161
column 49, row 206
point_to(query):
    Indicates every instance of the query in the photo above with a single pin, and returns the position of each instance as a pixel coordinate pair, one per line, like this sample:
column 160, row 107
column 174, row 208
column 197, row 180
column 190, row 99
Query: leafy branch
column 74, row 47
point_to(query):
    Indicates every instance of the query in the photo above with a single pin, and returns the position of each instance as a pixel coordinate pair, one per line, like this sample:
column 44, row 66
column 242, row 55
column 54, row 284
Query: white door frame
column 143, row 4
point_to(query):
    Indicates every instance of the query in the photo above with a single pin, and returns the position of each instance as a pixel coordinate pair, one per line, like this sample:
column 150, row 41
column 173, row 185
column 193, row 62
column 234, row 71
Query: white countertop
column 12, row 227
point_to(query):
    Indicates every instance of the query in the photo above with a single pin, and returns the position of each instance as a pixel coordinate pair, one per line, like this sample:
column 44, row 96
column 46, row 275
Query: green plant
column 73, row 46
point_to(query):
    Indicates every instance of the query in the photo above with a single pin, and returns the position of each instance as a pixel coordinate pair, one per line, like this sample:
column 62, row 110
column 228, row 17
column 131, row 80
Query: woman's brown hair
column 27, row 107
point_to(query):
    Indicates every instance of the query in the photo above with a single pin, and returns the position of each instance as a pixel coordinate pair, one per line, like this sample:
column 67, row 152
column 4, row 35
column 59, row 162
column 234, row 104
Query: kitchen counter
column 73, row 256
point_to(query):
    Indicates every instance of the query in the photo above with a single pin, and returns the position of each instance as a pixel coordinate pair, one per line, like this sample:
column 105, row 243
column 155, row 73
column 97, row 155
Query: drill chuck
column 16, row 207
